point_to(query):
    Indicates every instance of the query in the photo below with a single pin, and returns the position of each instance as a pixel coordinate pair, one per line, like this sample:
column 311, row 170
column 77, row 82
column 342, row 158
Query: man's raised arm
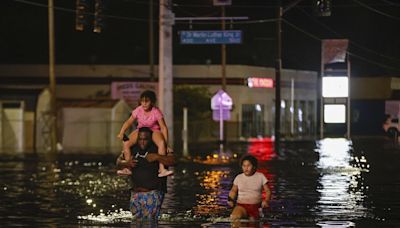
column 168, row 159
column 122, row 163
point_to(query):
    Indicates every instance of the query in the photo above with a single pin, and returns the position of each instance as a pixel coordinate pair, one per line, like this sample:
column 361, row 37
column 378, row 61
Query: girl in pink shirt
column 147, row 115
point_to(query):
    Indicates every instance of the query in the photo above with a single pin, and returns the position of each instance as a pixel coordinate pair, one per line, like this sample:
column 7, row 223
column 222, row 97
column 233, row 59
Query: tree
column 196, row 99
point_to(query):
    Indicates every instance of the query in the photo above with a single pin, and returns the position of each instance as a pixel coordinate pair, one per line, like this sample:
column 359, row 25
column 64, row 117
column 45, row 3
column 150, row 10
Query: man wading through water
column 147, row 192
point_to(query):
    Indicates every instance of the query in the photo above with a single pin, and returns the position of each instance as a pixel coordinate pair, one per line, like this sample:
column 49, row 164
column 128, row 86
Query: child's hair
column 251, row 159
column 151, row 95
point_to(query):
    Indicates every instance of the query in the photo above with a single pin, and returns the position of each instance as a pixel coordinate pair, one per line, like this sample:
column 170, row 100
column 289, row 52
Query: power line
column 351, row 42
column 231, row 6
column 73, row 11
column 350, row 53
column 230, row 22
column 141, row 19
column 211, row 13
column 377, row 11
column 301, row 30
column 270, row 6
column 391, row 3
column 237, row 22
column 373, row 62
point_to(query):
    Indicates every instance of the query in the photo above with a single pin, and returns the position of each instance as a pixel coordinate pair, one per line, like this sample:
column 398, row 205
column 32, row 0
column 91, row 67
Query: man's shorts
column 146, row 205
column 251, row 209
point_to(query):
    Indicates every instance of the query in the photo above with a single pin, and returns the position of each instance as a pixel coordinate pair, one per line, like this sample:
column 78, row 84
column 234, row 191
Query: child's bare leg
column 158, row 139
column 127, row 153
column 127, row 145
column 238, row 213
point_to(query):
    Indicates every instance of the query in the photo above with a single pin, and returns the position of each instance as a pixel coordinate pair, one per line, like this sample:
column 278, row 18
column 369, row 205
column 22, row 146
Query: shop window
column 253, row 123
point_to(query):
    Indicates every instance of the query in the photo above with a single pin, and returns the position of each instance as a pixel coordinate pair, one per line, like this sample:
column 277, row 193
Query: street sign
column 221, row 100
column 211, row 37
column 225, row 115
column 221, row 104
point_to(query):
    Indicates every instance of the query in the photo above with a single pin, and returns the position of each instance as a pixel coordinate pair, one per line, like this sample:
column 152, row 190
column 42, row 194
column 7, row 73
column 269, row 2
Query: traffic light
column 322, row 8
column 98, row 22
column 81, row 10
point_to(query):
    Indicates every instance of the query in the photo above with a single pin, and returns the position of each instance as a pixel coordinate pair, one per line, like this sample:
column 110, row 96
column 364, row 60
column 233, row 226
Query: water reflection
column 341, row 187
column 332, row 182
column 262, row 148
column 213, row 200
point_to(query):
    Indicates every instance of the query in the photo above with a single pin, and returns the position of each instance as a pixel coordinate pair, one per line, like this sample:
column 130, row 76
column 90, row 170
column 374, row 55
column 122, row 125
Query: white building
column 253, row 113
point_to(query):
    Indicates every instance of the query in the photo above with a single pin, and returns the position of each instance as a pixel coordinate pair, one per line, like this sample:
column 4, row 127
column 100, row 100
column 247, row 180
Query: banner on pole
column 334, row 50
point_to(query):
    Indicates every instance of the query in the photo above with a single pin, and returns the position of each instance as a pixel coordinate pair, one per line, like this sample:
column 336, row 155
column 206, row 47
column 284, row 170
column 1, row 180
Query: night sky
column 372, row 26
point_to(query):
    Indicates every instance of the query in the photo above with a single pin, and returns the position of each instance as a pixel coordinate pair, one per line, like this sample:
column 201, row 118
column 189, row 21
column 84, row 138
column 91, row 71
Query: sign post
column 221, row 104
column 185, row 132
column 221, row 124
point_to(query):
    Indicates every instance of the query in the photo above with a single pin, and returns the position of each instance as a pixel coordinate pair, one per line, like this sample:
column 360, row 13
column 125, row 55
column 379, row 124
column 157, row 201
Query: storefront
column 253, row 108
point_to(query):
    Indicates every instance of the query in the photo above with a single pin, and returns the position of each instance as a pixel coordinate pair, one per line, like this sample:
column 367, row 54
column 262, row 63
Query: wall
column 12, row 127
column 96, row 81
column 86, row 130
column 370, row 88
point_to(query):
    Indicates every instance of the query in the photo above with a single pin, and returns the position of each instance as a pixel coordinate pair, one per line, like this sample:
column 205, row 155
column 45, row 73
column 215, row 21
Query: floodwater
column 331, row 182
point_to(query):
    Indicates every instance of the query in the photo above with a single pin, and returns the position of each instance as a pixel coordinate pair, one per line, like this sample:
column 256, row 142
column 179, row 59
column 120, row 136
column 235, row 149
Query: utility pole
column 278, row 69
column 223, row 52
column 151, row 40
column 52, row 80
column 165, row 77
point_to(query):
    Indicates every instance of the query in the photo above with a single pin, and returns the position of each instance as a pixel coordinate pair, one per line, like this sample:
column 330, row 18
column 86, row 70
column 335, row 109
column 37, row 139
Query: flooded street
column 323, row 183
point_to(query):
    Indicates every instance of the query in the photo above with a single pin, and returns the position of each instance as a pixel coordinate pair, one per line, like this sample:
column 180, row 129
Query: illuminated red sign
column 254, row 82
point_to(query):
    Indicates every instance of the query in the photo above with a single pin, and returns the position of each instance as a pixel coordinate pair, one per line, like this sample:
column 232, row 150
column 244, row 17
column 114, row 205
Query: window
column 335, row 113
column 252, row 120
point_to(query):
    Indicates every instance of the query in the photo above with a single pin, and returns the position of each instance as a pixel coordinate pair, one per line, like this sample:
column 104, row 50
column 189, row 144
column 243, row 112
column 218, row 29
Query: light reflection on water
column 339, row 180
column 332, row 182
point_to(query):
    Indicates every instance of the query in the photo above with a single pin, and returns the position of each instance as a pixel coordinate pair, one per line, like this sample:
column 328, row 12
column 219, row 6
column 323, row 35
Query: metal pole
column 223, row 75
column 21, row 140
column 278, row 69
column 321, row 108
column 185, row 132
column 52, row 80
column 1, row 126
column 223, row 53
column 348, row 98
column 151, row 41
column 292, row 107
column 221, row 127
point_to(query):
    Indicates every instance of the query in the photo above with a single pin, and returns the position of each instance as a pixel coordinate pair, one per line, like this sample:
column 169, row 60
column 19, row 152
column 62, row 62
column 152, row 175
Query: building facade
column 253, row 108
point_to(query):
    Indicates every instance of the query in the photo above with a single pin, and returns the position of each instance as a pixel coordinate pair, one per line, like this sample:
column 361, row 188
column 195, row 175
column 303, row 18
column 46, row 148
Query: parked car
column 392, row 127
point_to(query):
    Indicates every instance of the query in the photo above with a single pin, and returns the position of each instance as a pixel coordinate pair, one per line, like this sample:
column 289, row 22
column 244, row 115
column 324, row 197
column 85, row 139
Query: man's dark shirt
column 145, row 174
